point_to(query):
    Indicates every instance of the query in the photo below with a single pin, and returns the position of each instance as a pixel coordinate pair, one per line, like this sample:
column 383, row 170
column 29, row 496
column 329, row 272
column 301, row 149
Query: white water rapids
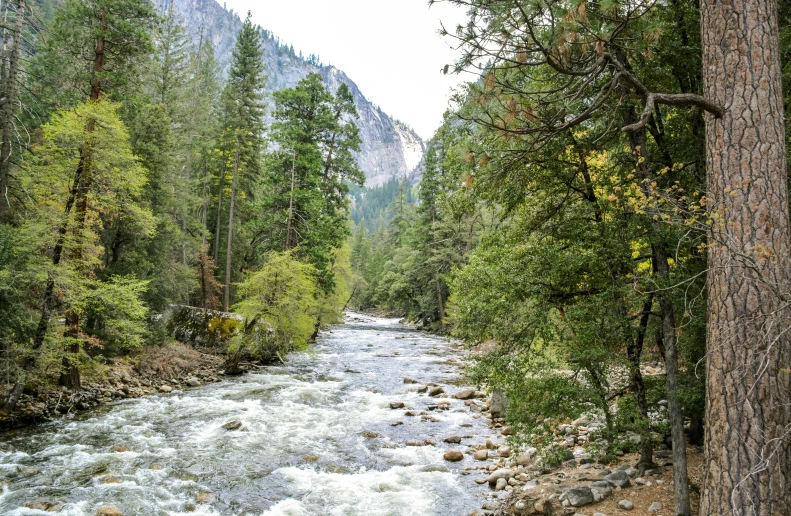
column 317, row 439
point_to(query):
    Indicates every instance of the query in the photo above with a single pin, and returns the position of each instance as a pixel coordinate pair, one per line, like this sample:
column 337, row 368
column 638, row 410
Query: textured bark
column 6, row 135
column 748, row 414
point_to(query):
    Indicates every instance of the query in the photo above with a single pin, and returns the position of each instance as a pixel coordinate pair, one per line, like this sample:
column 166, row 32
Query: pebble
column 656, row 506
column 626, row 505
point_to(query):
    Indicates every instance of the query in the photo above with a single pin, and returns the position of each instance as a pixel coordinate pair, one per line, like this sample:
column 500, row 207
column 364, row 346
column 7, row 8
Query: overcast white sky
column 390, row 48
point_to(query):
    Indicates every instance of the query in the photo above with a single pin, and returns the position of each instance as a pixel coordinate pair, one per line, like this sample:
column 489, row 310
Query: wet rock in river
column 410, row 380
column 481, row 455
column 109, row 510
column 436, row 391
column 500, row 484
column 454, row 439
column 192, row 382
column 397, row 405
column 465, row 394
column 234, row 424
column 453, row 456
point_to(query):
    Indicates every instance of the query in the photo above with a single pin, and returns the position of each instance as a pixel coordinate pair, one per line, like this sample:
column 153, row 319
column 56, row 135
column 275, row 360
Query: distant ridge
column 389, row 148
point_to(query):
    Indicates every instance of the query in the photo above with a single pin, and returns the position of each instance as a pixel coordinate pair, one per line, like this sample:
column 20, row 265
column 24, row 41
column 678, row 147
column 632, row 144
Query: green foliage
column 280, row 305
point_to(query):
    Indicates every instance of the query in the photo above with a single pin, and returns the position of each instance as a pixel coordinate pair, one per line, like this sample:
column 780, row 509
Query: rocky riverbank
column 521, row 485
column 165, row 369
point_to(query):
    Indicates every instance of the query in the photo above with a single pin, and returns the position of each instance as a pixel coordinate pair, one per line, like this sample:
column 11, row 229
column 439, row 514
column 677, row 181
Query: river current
column 318, row 437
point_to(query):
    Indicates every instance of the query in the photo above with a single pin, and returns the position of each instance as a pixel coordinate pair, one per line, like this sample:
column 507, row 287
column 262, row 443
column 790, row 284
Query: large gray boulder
column 618, row 479
column 578, row 496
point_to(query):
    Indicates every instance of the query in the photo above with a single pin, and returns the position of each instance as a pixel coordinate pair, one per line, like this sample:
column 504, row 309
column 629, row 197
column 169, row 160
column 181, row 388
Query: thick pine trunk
column 8, row 107
column 748, row 405
column 226, row 296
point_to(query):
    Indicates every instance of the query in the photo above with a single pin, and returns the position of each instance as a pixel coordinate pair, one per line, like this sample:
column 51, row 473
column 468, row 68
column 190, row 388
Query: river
column 318, row 437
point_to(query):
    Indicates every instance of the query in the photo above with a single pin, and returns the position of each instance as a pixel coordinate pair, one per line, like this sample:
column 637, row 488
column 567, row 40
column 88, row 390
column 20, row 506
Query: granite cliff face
column 389, row 148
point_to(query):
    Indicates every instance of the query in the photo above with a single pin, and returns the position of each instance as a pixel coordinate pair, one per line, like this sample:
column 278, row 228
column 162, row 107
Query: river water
column 318, row 438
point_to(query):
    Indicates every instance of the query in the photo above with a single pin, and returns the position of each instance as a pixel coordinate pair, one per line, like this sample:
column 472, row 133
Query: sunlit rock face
column 389, row 147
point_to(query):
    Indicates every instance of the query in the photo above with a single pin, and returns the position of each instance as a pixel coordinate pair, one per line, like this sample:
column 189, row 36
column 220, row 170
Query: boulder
column 234, row 424
column 453, row 439
column 524, row 458
column 436, row 391
column 481, row 455
column 193, row 382
column 453, row 456
column 397, row 405
column 578, row 496
column 497, row 474
column 410, row 380
column 465, row 394
column 617, row 479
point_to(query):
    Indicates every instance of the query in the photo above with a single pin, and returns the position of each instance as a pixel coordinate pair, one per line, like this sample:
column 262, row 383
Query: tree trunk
column 634, row 350
column 226, row 296
column 748, row 411
column 218, row 225
column 669, row 340
column 8, row 107
column 291, row 203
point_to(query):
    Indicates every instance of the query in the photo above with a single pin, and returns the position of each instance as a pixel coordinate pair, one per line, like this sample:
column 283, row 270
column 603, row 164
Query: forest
column 609, row 190
column 589, row 206
column 136, row 177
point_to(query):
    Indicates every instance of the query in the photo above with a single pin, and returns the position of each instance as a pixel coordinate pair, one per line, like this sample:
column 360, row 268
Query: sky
column 390, row 48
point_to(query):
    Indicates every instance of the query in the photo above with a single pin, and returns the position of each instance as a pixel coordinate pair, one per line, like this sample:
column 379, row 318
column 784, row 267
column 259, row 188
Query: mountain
column 389, row 147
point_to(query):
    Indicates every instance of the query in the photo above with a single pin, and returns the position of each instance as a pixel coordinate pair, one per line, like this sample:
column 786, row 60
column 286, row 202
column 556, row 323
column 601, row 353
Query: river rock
column 165, row 388
column 626, row 505
column 465, row 394
column 618, row 479
column 505, row 473
column 454, row 439
column 436, row 391
column 656, row 506
column 234, row 424
column 422, row 388
column 453, row 456
column 504, row 451
column 500, row 484
column 578, row 496
column 526, row 457
column 481, row 455
column 193, row 382
column 397, row 405
column 109, row 510
column 410, row 380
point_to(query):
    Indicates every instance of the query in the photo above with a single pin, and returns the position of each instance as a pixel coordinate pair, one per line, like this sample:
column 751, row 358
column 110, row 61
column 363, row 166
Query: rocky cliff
column 389, row 147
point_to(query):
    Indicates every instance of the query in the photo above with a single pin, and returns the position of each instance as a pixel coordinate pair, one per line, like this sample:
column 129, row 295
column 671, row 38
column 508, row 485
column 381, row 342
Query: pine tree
column 244, row 125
